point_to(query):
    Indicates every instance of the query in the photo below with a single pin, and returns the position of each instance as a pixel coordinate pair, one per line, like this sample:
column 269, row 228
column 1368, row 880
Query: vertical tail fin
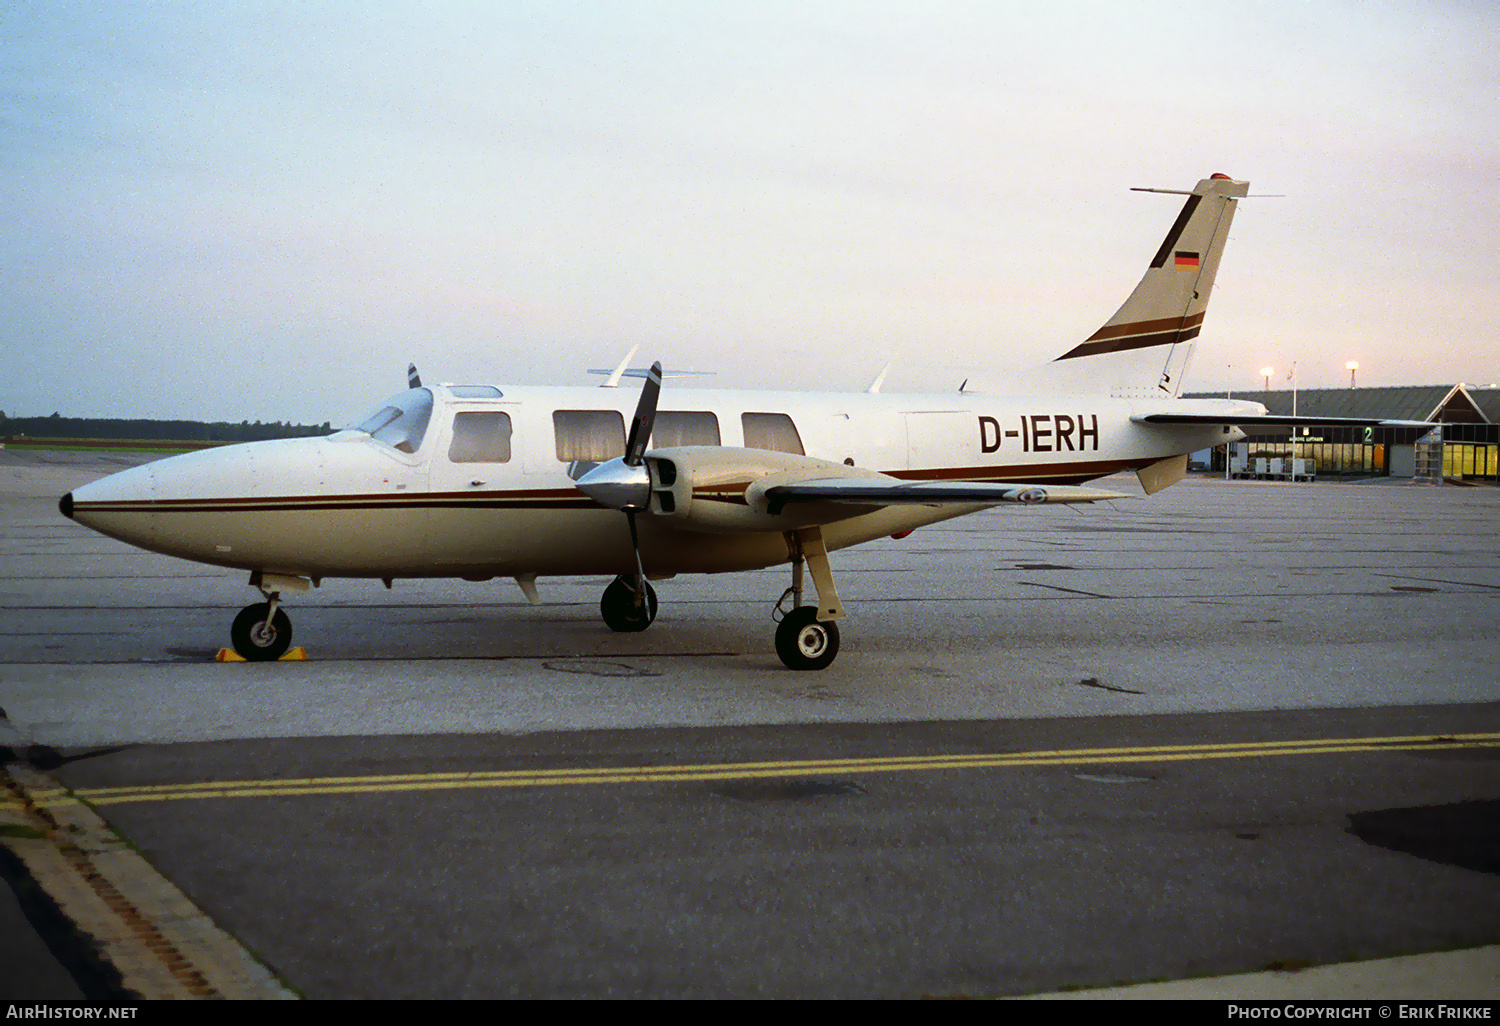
column 1145, row 348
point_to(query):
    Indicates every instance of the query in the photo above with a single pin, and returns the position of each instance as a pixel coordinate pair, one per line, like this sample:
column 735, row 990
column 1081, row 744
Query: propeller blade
column 645, row 414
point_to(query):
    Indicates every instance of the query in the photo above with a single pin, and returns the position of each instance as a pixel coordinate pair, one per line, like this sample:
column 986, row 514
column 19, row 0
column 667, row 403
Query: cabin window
column 481, row 436
column 684, row 427
column 402, row 422
column 592, row 435
column 774, row 431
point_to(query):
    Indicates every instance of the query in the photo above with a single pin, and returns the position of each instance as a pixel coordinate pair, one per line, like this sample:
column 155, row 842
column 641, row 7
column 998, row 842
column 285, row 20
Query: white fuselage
column 351, row 505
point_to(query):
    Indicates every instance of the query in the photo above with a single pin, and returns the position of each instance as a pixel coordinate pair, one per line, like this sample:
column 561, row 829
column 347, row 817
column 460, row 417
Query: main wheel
column 256, row 640
column 618, row 607
column 804, row 642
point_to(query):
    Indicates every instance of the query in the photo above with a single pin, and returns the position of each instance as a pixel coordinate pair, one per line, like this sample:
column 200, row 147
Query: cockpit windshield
column 401, row 422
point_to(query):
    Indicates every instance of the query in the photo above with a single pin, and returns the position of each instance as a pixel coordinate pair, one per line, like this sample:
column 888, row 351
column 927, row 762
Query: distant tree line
column 57, row 426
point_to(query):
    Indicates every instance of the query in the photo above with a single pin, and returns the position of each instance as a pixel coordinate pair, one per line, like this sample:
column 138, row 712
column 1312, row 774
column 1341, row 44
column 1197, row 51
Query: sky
column 263, row 211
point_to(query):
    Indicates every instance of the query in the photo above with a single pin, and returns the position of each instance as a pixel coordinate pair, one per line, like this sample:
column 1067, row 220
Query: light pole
column 1265, row 372
column 1351, row 367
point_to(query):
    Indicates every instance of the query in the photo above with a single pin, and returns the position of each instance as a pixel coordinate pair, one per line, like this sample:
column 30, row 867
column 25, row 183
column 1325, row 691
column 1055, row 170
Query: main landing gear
column 622, row 608
column 807, row 638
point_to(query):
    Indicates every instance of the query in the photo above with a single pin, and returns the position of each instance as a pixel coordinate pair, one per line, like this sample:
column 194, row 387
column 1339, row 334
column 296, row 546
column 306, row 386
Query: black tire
column 617, row 606
column 255, row 643
column 804, row 642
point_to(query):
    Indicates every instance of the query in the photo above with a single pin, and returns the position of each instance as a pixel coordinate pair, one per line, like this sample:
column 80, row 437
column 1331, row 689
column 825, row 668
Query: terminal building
column 1462, row 446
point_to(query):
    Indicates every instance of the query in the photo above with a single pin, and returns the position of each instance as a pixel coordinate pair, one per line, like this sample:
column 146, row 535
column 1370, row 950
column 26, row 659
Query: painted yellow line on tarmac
column 745, row 770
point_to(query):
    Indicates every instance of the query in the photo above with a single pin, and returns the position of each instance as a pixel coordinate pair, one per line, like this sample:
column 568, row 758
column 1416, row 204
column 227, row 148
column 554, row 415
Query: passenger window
column 594, row 435
column 774, row 431
column 677, row 427
column 480, row 437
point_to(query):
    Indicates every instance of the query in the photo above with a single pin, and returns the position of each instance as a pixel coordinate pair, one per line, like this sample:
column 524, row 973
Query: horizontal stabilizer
column 887, row 491
column 1272, row 420
column 645, row 372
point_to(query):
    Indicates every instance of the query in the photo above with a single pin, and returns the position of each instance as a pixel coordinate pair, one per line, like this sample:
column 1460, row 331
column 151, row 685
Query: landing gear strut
column 807, row 637
column 621, row 605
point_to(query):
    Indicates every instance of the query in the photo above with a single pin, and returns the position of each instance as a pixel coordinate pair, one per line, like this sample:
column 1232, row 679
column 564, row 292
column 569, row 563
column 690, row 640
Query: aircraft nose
column 117, row 505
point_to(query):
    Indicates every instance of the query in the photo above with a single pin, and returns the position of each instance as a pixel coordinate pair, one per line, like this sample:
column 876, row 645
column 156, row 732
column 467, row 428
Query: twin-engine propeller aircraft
column 476, row 481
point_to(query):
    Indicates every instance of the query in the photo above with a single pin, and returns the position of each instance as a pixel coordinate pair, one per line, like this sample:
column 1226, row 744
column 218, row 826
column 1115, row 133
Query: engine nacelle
column 722, row 490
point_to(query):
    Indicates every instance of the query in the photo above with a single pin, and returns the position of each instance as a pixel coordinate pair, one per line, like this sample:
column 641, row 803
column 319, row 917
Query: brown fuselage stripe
column 559, row 498
column 547, row 493
column 288, row 507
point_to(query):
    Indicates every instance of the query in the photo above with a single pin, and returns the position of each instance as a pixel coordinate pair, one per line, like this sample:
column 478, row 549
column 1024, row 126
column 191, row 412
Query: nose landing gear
column 262, row 631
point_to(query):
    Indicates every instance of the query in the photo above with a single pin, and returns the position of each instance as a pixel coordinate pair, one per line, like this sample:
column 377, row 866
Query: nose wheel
column 262, row 631
column 621, row 607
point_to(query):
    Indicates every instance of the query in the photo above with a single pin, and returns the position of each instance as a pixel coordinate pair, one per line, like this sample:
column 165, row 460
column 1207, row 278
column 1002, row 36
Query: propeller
column 624, row 483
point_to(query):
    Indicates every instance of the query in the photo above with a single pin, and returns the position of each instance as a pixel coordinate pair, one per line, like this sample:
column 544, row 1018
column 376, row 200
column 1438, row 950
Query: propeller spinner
column 624, row 483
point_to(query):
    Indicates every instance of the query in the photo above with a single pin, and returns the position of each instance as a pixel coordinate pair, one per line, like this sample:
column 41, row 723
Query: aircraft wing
column 726, row 490
column 1272, row 420
column 889, row 491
